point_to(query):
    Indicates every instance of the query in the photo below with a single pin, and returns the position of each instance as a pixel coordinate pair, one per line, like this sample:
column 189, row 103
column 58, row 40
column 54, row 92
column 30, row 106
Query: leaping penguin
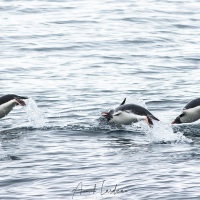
column 127, row 114
column 8, row 102
column 190, row 113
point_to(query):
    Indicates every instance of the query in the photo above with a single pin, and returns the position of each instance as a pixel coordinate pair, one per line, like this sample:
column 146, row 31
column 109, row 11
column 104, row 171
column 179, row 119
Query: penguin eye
column 181, row 115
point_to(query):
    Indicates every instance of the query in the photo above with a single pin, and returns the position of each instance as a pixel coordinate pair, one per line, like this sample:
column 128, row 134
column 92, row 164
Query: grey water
column 76, row 59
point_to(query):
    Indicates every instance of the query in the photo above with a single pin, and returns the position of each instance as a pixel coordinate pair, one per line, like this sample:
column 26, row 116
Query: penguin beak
column 173, row 122
column 104, row 114
column 107, row 115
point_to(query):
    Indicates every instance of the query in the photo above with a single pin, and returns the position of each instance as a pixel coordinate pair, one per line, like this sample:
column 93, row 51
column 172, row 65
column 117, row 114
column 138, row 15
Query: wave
column 160, row 133
column 9, row 157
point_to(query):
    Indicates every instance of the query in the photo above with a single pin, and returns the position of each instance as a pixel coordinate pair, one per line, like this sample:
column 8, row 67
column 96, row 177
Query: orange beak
column 104, row 114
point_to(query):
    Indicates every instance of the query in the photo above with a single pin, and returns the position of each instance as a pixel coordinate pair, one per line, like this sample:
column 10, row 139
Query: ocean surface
column 76, row 59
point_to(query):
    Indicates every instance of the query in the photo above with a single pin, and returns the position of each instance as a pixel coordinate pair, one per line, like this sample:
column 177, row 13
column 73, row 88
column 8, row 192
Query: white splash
column 35, row 116
column 163, row 132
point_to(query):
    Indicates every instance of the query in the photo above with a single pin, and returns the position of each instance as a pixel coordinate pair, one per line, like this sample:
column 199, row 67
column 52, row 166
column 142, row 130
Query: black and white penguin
column 129, row 113
column 190, row 113
column 8, row 102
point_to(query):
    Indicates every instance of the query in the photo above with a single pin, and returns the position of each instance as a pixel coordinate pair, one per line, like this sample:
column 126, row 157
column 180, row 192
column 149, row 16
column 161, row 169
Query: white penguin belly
column 127, row 118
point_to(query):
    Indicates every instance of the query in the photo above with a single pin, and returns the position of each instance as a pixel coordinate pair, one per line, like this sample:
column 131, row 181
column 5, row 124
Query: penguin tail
column 123, row 102
column 153, row 117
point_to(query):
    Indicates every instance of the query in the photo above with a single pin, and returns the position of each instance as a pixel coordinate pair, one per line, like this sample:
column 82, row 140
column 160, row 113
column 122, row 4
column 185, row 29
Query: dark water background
column 75, row 59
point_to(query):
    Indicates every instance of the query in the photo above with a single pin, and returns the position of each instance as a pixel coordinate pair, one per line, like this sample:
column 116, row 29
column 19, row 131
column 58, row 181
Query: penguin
column 8, row 102
column 190, row 113
column 127, row 114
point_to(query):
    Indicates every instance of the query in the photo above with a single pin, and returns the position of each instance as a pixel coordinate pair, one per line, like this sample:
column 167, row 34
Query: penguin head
column 179, row 119
column 18, row 99
column 108, row 115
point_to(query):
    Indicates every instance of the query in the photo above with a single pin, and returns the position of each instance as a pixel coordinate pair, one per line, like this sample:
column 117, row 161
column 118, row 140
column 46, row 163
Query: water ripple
column 77, row 59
